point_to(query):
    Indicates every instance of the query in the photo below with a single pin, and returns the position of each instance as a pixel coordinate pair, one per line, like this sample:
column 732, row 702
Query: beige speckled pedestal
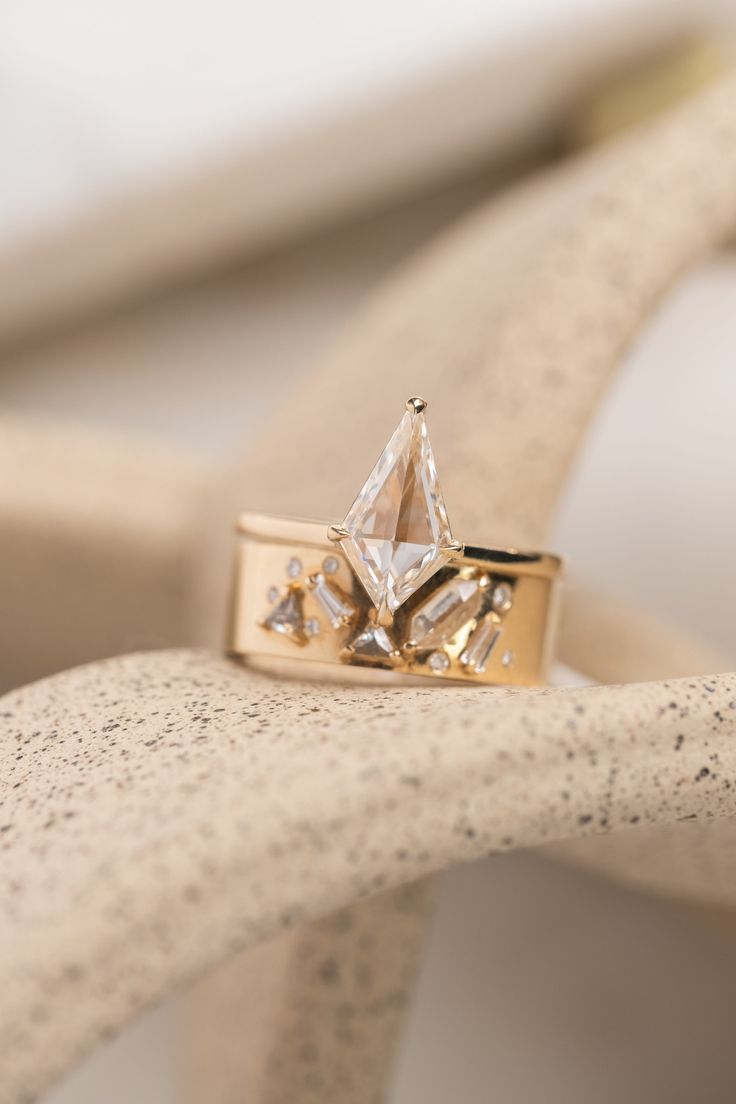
column 162, row 811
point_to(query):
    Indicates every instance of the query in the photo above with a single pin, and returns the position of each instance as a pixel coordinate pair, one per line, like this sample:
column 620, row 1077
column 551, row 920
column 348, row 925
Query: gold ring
column 390, row 588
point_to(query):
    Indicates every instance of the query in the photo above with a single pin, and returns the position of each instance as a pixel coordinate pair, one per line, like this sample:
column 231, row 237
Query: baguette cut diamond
column 397, row 532
column 480, row 645
column 443, row 614
column 335, row 604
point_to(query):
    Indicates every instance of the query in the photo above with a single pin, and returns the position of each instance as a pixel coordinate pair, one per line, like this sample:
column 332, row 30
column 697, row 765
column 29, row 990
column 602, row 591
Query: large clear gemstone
column 445, row 612
column 398, row 528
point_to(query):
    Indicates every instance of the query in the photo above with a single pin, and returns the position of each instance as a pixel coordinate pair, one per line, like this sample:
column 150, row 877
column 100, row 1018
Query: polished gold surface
column 327, row 618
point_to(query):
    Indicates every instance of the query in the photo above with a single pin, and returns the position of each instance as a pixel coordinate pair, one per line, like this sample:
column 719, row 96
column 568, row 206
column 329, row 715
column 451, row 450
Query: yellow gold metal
column 336, row 533
column 267, row 545
column 416, row 405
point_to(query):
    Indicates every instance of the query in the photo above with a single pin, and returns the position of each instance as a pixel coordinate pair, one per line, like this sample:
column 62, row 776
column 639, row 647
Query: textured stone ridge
column 202, row 760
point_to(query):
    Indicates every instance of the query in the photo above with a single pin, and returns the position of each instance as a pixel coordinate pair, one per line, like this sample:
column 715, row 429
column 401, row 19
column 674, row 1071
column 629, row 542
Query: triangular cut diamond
column 287, row 616
column 373, row 645
column 397, row 532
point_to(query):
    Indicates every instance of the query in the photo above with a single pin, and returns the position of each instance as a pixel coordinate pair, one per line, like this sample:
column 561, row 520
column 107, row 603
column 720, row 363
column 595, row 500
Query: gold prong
column 383, row 617
column 337, row 533
column 416, row 405
column 452, row 546
column 313, row 580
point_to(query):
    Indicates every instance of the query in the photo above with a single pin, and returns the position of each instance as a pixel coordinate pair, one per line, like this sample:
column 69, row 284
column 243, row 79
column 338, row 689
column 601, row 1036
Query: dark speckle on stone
column 329, row 971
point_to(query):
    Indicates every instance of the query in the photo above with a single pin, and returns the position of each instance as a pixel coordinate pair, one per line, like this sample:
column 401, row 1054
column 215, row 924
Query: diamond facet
column 398, row 532
column 438, row 619
column 336, row 605
column 373, row 645
column 503, row 598
column 287, row 616
column 480, row 645
column 294, row 567
column 439, row 662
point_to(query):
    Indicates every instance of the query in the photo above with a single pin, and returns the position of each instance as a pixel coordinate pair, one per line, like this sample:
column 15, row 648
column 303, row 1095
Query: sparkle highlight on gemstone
column 338, row 608
column 294, row 567
column 503, row 598
column 287, row 616
column 373, row 645
column 439, row 662
column 480, row 646
column 445, row 612
column 396, row 533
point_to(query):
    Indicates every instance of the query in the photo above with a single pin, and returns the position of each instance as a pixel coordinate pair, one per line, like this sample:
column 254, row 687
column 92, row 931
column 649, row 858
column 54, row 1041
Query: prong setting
column 396, row 547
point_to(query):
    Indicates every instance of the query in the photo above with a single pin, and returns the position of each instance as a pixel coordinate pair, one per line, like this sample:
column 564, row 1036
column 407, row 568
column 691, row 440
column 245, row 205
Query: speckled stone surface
column 312, row 1015
column 162, row 811
column 165, row 809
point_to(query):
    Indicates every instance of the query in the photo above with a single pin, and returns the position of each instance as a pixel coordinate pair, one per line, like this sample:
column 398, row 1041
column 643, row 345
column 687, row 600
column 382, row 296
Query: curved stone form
column 208, row 807
column 158, row 811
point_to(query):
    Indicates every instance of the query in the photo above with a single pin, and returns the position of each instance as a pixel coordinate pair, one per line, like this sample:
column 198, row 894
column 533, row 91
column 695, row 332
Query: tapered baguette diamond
column 397, row 528
column 335, row 604
column 445, row 612
column 480, row 645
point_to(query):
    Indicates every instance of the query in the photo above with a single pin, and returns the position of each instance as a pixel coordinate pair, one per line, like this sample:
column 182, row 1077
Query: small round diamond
column 503, row 598
column 294, row 567
column 330, row 565
column 439, row 661
column 272, row 593
column 311, row 626
column 507, row 658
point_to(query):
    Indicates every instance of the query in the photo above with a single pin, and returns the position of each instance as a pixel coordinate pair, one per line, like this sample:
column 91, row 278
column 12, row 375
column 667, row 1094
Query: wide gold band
column 485, row 617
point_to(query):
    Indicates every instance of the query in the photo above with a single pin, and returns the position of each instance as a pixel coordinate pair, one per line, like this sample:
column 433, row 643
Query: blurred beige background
column 540, row 982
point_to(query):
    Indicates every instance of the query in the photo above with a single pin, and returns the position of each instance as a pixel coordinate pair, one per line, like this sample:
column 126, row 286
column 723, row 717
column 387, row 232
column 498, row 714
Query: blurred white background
column 97, row 98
